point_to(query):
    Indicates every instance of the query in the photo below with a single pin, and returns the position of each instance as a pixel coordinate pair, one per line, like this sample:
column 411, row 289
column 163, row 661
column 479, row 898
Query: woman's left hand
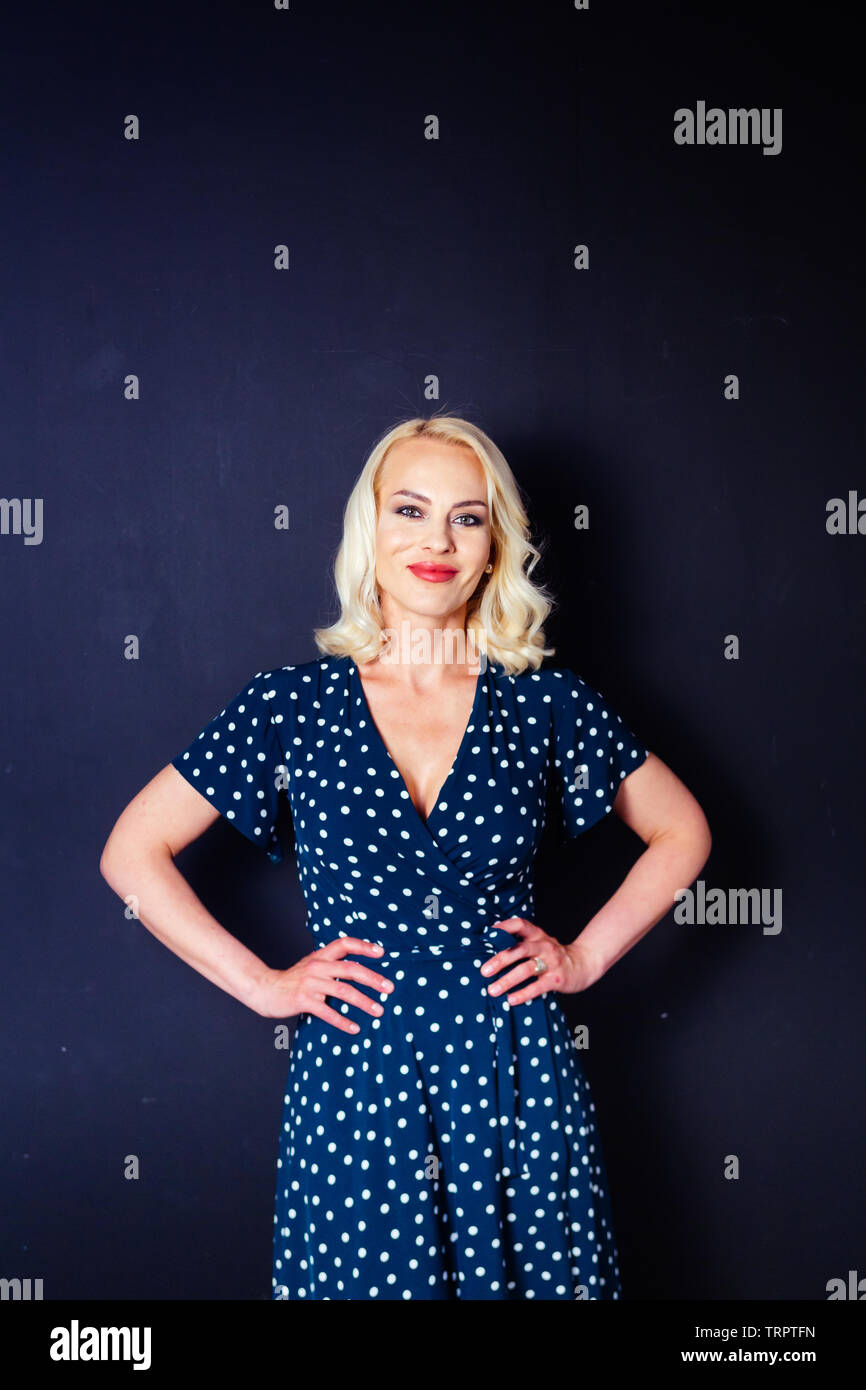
column 568, row 968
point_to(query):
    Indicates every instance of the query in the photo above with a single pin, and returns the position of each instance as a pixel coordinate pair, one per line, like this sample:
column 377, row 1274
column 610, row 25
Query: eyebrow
column 419, row 497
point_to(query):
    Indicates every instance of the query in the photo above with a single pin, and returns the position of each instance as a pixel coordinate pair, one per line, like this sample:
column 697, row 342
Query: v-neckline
column 458, row 757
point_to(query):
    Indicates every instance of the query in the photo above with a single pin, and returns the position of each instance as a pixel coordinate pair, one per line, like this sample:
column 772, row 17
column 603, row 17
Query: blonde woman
column 439, row 1139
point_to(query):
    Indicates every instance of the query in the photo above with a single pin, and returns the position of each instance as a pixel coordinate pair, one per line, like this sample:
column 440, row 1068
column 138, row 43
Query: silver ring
column 540, row 965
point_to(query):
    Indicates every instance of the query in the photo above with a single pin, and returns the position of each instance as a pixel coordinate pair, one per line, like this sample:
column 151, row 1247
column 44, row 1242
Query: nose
column 439, row 538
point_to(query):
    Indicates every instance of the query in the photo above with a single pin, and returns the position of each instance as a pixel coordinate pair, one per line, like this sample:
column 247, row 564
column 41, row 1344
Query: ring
column 540, row 965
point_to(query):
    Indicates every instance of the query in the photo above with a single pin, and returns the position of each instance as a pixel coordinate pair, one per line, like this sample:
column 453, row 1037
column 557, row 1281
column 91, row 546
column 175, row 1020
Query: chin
column 431, row 607
column 426, row 605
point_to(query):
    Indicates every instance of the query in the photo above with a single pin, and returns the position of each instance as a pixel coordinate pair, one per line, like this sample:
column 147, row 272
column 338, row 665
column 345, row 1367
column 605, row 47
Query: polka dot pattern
column 449, row 1149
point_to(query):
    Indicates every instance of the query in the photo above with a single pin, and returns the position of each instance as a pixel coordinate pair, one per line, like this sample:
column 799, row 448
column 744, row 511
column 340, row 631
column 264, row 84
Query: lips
column 434, row 574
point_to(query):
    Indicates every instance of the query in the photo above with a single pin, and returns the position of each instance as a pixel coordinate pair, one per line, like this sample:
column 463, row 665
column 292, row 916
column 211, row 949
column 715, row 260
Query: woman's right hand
column 302, row 988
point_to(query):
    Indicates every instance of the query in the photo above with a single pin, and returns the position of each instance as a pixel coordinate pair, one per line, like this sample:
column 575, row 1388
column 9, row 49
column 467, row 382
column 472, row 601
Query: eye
column 464, row 516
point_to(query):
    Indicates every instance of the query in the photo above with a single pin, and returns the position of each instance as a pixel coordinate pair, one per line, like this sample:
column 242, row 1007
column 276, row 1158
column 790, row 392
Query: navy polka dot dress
column 448, row 1150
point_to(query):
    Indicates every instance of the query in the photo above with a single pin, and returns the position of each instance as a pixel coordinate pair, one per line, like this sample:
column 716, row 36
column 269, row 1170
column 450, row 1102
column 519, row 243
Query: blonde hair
column 507, row 610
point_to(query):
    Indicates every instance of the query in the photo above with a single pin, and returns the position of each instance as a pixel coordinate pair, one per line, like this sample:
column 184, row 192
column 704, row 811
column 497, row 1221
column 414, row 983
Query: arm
column 659, row 808
column 138, row 861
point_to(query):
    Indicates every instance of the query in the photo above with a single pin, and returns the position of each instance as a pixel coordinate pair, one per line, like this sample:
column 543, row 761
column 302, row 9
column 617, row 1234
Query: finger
column 350, row 945
column 518, row 925
column 524, row 971
column 336, row 989
column 328, row 1015
column 522, row 927
column 354, row 970
column 542, row 984
column 506, row 957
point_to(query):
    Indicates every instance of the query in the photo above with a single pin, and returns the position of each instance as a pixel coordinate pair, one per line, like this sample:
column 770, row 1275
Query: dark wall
column 260, row 388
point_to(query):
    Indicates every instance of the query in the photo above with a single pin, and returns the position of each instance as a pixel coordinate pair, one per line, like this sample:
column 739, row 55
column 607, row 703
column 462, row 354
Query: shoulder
column 284, row 698
column 550, row 685
column 276, row 684
column 565, row 697
column 301, row 679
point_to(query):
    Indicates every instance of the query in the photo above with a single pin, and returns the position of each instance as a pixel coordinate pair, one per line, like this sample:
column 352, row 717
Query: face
column 433, row 538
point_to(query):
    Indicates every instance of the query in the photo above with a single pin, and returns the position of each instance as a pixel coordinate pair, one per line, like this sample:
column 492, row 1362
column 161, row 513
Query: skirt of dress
column 446, row 1151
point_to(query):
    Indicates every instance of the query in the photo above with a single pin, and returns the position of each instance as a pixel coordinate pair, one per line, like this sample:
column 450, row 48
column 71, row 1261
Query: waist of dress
column 465, row 950
column 414, row 955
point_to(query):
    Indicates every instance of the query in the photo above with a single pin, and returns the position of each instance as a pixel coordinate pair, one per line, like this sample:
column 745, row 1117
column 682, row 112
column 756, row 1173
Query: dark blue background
column 261, row 388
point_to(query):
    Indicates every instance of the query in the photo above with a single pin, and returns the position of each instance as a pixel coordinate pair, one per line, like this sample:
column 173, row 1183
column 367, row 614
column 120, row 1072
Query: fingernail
column 377, row 1009
column 494, row 989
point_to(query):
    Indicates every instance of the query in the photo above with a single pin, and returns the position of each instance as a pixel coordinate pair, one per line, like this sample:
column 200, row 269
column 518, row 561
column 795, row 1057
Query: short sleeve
column 238, row 764
column 594, row 751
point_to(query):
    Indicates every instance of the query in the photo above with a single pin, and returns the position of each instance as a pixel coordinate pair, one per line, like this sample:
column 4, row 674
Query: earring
column 489, row 569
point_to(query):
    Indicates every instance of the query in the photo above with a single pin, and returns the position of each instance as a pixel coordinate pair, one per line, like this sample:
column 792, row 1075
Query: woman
column 438, row 1138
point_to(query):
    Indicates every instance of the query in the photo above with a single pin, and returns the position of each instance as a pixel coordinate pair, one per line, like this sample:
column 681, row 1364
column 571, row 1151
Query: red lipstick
column 434, row 574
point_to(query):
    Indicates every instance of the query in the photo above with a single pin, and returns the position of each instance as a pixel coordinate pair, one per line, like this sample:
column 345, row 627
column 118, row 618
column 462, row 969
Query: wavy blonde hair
column 507, row 610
